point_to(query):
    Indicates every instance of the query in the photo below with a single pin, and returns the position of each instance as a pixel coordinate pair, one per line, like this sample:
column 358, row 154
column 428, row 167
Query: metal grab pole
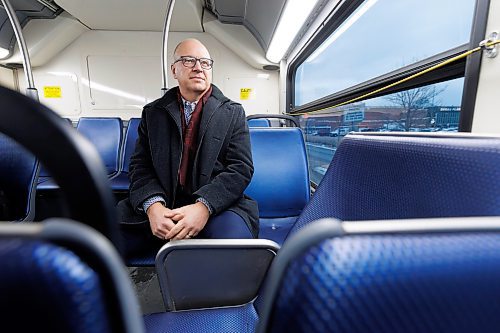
column 31, row 90
column 166, row 28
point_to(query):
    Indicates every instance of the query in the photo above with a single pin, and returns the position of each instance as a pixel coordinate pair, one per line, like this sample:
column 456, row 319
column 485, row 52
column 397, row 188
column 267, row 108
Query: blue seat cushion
column 242, row 319
column 142, row 260
column 46, row 183
column 120, row 182
column 276, row 229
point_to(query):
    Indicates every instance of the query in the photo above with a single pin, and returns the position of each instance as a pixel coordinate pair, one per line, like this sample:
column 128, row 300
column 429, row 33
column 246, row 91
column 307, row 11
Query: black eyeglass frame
column 183, row 59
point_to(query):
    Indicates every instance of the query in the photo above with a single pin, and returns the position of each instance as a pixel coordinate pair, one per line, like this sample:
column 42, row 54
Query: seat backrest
column 106, row 135
column 129, row 145
column 44, row 287
column 43, row 171
column 260, row 122
column 418, row 280
column 64, row 277
column 408, row 176
column 18, row 177
column 280, row 183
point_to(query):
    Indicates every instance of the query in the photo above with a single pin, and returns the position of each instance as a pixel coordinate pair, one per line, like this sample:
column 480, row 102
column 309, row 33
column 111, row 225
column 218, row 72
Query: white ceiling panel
column 143, row 15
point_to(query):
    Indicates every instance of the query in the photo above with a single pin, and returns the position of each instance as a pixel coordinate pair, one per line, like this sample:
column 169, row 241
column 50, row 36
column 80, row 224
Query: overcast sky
column 389, row 35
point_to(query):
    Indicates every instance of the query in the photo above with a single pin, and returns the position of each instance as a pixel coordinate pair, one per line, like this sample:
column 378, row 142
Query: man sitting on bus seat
column 191, row 163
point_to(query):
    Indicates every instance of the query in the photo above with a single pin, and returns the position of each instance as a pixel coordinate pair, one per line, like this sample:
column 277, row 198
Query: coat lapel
column 174, row 111
column 208, row 112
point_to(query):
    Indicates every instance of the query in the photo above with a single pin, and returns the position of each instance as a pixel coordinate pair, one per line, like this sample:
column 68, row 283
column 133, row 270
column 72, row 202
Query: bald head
column 192, row 68
column 190, row 45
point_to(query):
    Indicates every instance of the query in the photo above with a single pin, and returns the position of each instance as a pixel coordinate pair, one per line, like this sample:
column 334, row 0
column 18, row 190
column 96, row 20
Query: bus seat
column 64, row 277
column 47, row 282
column 45, row 181
column 18, row 177
column 381, row 176
column 106, row 135
column 260, row 122
column 121, row 182
column 403, row 176
column 241, row 319
column 44, row 175
column 280, row 183
column 429, row 275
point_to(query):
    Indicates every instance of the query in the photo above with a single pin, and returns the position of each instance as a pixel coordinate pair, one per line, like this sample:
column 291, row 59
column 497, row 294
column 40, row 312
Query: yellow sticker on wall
column 52, row 92
column 245, row 93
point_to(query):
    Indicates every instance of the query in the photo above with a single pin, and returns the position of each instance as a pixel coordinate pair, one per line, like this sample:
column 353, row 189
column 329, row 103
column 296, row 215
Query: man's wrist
column 152, row 200
column 206, row 204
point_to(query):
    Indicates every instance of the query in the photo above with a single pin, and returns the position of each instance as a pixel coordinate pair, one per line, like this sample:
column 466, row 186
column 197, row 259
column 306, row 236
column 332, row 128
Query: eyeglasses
column 190, row 62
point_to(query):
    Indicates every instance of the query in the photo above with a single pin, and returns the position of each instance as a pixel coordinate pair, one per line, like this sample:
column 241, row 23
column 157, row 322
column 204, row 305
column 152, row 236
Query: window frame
column 467, row 68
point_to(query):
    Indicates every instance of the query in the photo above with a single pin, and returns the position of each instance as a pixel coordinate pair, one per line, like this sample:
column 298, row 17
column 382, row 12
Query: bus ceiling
column 243, row 26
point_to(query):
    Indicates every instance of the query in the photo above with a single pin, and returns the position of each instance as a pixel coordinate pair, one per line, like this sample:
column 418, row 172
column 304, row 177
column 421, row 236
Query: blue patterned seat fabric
column 400, row 177
column 120, row 182
column 18, row 169
column 393, row 283
column 33, row 273
column 241, row 319
column 106, row 135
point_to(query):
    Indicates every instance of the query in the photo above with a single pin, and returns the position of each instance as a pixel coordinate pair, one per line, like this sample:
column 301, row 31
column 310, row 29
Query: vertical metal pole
column 166, row 28
column 31, row 90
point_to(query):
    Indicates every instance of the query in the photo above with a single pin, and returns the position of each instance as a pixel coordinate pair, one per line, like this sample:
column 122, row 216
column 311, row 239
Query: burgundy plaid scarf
column 190, row 138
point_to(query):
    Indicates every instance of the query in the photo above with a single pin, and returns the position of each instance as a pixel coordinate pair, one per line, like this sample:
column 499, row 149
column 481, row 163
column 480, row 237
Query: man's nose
column 197, row 66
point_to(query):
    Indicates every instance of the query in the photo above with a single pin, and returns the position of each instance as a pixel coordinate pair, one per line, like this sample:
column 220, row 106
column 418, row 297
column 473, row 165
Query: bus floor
column 147, row 289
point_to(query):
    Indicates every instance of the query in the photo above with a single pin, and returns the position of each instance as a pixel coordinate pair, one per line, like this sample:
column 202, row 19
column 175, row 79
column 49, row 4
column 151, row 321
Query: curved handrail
column 166, row 28
column 31, row 90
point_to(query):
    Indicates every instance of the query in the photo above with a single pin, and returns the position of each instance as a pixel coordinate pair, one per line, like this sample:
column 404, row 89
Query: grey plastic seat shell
column 233, row 268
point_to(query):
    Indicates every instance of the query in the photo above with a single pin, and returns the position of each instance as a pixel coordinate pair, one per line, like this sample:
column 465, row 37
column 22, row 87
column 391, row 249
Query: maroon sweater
column 190, row 139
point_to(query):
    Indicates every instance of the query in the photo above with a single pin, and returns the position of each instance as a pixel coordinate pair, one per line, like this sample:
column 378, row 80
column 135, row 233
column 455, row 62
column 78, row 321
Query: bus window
column 429, row 108
column 344, row 62
column 350, row 55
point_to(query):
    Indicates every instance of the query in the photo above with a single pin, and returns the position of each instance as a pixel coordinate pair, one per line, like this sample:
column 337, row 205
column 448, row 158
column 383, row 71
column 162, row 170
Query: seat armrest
column 206, row 273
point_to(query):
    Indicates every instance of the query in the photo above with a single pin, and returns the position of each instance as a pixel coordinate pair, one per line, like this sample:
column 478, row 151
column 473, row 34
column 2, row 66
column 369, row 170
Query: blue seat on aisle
column 259, row 122
column 18, row 177
column 120, row 182
column 430, row 275
column 280, row 183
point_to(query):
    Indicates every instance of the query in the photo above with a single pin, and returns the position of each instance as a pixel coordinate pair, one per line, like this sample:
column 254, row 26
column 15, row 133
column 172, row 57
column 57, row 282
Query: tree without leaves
column 415, row 99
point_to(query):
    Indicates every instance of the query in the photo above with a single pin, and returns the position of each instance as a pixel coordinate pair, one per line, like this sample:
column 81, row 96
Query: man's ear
column 172, row 68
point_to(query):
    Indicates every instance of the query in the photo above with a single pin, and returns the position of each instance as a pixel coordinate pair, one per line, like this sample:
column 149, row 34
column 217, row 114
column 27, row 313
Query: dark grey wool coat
column 222, row 167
